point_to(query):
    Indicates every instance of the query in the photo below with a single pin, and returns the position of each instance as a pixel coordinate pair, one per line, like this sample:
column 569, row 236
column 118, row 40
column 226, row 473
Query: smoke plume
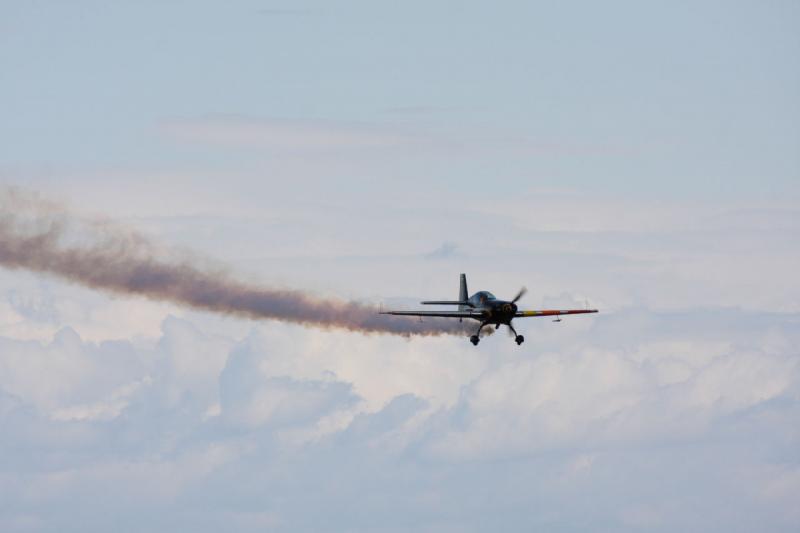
column 42, row 236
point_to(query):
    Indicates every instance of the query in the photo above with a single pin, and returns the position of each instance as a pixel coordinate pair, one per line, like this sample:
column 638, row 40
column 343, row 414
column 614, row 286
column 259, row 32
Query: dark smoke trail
column 40, row 236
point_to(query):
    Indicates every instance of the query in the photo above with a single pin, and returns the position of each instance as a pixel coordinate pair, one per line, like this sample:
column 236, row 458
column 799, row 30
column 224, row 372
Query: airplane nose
column 510, row 308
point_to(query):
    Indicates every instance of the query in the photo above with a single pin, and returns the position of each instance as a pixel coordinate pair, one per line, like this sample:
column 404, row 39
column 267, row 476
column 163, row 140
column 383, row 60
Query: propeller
column 511, row 307
column 519, row 295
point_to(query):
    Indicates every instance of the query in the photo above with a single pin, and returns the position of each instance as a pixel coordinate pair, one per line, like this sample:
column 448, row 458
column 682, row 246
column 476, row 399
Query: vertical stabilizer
column 463, row 295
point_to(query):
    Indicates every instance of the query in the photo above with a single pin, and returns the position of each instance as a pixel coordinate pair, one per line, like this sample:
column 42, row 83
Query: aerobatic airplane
column 483, row 306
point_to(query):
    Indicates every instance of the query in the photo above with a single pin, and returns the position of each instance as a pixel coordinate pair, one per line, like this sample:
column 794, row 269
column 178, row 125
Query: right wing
column 555, row 312
column 446, row 314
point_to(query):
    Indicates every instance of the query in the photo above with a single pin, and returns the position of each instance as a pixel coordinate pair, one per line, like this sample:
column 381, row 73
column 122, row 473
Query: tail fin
column 463, row 295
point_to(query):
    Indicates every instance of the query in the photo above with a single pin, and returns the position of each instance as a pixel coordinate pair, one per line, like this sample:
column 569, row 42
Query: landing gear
column 519, row 339
column 475, row 339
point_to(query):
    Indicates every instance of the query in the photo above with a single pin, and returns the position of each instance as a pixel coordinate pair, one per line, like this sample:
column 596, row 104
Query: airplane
column 483, row 306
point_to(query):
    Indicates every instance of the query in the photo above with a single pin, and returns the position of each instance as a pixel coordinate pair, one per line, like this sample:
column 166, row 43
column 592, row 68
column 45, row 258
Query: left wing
column 446, row 314
column 553, row 312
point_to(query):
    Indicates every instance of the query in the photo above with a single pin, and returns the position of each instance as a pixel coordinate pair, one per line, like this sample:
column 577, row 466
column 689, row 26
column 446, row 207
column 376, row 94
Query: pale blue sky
column 667, row 98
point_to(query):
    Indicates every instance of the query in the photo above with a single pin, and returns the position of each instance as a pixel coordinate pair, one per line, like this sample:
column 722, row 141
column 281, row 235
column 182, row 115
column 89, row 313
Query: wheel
column 474, row 340
column 520, row 339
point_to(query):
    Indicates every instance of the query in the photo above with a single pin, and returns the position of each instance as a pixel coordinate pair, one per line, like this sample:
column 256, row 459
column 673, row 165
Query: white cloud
column 200, row 428
column 597, row 398
column 596, row 420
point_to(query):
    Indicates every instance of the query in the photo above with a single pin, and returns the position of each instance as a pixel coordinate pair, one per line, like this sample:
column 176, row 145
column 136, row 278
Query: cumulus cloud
column 210, row 423
column 251, row 398
column 600, row 398
column 202, row 429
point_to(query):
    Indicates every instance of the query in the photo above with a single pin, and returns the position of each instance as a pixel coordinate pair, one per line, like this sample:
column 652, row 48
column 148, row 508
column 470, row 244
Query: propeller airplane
column 484, row 307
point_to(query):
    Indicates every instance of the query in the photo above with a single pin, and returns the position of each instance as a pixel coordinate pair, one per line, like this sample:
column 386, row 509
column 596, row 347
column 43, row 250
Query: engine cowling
column 509, row 309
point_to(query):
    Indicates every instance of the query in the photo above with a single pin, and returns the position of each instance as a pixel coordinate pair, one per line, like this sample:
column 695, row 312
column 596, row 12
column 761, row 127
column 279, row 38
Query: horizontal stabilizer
column 443, row 302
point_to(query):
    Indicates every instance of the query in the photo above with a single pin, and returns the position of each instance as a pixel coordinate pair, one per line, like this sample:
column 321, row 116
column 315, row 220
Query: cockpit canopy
column 484, row 296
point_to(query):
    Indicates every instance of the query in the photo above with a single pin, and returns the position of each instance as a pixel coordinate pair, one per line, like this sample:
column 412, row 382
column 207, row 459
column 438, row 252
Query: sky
column 641, row 157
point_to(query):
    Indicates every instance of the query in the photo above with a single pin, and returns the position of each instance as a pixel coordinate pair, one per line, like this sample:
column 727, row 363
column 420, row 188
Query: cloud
column 628, row 422
column 674, row 408
column 251, row 398
column 599, row 398
column 446, row 251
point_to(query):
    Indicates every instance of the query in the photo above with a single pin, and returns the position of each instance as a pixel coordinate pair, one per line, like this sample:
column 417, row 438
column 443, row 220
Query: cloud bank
column 618, row 432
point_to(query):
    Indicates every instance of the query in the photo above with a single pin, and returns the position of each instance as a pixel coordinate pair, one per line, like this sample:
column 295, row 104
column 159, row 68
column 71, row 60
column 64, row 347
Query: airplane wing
column 446, row 314
column 554, row 312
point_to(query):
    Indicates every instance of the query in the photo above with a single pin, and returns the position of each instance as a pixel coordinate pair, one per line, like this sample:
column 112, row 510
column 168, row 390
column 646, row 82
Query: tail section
column 463, row 302
column 463, row 294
